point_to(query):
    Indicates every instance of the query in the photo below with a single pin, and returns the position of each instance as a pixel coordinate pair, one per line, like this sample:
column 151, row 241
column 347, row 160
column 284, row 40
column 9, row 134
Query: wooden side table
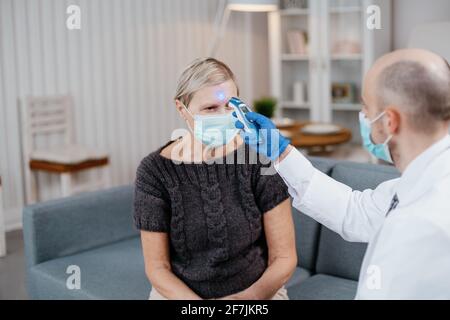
column 2, row 225
column 316, row 144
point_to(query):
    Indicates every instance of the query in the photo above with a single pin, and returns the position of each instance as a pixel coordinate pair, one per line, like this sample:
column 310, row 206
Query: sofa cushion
column 307, row 239
column 114, row 271
column 323, row 287
column 300, row 275
column 336, row 256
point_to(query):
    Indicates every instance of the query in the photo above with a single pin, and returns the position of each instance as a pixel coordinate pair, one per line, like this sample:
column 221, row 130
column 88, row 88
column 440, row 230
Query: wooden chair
column 52, row 115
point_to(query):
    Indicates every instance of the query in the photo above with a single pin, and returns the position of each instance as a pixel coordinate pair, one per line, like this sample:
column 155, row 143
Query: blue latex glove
column 267, row 140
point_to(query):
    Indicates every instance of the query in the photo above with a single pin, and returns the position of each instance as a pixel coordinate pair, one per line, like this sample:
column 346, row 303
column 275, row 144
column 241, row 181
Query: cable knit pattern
column 251, row 211
column 178, row 236
column 215, row 219
column 213, row 214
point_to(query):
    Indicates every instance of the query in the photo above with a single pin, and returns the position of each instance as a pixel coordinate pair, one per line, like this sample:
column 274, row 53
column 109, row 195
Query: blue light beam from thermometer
column 220, row 95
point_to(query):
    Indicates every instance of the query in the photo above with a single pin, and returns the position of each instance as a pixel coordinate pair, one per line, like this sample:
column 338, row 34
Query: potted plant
column 265, row 106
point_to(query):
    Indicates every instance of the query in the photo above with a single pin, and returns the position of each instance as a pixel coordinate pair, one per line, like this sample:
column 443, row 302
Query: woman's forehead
column 216, row 94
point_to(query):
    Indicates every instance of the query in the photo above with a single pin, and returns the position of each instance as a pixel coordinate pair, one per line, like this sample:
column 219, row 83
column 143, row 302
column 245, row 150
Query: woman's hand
column 236, row 296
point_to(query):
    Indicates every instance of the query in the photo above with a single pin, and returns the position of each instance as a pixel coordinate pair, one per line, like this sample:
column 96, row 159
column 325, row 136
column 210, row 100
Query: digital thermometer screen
column 245, row 109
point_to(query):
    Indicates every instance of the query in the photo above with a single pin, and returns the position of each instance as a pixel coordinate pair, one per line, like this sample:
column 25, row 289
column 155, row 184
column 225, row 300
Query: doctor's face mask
column 380, row 151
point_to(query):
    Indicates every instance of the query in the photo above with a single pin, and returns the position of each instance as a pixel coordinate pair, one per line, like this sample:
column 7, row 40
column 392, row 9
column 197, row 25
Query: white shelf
column 326, row 23
column 346, row 57
column 294, row 105
column 346, row 107
column 294, row 12
column 294, row 57
column 337, row 10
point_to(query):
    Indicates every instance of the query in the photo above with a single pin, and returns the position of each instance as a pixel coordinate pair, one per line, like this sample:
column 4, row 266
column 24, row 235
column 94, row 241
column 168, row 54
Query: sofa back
column 66, row 226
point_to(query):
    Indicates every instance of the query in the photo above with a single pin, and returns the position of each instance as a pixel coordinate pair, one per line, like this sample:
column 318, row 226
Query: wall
column 410, row 13
column 121, row 68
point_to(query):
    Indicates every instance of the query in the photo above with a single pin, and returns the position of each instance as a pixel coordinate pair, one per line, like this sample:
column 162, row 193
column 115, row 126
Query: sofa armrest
column 66, row 226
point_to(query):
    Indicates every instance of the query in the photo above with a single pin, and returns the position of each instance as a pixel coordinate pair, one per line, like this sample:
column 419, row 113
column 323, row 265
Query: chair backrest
column 44, row 116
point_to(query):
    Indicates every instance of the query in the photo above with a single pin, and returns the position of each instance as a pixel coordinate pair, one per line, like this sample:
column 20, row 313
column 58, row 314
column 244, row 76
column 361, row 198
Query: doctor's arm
column 352, row 214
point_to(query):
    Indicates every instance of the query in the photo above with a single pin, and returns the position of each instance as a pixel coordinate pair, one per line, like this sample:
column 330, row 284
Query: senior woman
column 212, row 229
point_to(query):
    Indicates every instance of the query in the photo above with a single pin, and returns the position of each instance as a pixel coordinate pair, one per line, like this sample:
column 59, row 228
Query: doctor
column 405, row 120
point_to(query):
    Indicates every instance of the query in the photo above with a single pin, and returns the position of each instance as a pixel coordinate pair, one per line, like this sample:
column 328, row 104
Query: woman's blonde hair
column 202, row 72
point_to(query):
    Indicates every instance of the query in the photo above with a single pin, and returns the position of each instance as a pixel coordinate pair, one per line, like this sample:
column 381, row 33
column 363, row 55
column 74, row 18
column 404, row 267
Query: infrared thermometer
column 241, row 110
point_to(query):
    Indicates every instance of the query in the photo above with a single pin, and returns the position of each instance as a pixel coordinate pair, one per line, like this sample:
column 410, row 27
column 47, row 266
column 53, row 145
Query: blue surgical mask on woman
column 380, row 151
column 214, row 130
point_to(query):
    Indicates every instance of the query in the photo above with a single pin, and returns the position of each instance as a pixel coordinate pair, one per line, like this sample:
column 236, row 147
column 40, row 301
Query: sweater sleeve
column 151, row 202
column 269, row 188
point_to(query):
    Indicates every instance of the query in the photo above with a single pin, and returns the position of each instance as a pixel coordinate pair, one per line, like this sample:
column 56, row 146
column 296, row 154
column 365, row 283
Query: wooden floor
column 12, row 268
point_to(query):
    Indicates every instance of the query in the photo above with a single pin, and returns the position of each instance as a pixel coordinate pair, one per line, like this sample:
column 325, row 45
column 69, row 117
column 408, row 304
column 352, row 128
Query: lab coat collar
column 423, row 172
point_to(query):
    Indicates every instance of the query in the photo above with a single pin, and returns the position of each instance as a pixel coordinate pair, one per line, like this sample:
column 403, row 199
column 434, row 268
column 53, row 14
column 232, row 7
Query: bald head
column 417, row 82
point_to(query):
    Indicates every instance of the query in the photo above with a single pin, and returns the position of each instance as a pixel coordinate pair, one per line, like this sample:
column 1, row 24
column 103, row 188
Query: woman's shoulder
column 150, row 164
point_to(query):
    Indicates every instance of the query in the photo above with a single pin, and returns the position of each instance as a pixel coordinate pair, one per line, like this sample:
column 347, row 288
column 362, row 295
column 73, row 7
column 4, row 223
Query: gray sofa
column 94, row 231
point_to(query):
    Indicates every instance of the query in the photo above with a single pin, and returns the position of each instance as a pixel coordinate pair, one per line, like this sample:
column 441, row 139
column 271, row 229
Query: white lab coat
column 408, row 256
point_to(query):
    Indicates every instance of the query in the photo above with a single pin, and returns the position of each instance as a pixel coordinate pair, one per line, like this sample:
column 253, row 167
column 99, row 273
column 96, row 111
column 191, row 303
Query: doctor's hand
column 267, row 139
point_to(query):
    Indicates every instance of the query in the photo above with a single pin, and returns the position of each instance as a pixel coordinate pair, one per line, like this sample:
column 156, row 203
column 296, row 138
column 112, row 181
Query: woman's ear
column 180, row 108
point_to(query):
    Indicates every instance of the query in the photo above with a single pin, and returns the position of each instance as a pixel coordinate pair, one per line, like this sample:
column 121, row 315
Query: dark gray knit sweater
column 213, row 214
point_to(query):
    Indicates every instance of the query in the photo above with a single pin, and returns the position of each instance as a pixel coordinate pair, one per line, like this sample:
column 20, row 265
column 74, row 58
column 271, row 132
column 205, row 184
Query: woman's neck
column 190, row 150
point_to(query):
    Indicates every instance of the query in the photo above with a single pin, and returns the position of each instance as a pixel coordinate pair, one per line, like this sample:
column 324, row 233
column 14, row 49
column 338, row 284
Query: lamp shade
column 253, row 5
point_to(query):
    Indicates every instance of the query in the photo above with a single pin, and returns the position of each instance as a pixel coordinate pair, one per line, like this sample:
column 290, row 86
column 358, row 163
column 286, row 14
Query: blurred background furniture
column 95, row 232
column 45, row 120
column 315, row 144
column 319, row 52
column 2, row 224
